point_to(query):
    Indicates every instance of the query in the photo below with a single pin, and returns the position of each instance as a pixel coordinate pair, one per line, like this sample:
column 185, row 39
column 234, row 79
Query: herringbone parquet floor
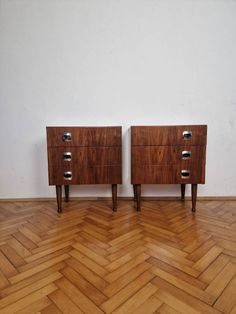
column 91, row 260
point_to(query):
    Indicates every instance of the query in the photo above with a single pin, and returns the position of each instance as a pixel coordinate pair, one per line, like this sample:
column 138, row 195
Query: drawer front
column 69, row 175
column 156, row 155
column 168, row 174
column 168, row 135
column 84, row 156
column 83, row 136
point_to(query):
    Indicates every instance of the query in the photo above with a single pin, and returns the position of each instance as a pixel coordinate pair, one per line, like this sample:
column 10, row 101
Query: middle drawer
column 84, row 156
column 157, row 155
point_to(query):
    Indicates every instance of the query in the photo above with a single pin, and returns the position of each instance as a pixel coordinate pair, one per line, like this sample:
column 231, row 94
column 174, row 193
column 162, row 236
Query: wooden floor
column 91, row 260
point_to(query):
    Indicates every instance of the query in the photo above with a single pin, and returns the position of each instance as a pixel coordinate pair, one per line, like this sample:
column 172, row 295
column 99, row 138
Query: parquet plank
column 64, row 303
column 83, row 302
column 118, row 247
column 183, row 285
column 149, row 306
column 184, row 297
column 86, row 288
column 12, row 256
column 126, row 249
column 6, row 267
column 99, row 270
column 3, row 281
column 125, row 258
column 26, row 242
column 166, row 309
column 30, row 280
column 177, row 304
column 38, row 268
column 214, row 269
column 125, row 236
column 18, row 247
column 227, row 300
column 88, row 274
column 91, row 254
column 124, row 280
column 111, row 277
column 120, row 297
column 216, row 287
column 35, row 307
column 53, row 249
column 91, row 245
column 177, row 273
column 208, row 258
column 29, row 289
column 136, row 300
column 51, row 309
column 168, row 260
column 29, row 299
column 30, row 235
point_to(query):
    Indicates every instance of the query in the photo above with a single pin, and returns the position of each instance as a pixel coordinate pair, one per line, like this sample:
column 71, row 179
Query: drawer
column 84, row 156
column 156, row 155
column 168, row 174
column 168, row 135
column 83, row 136
column 69, row 175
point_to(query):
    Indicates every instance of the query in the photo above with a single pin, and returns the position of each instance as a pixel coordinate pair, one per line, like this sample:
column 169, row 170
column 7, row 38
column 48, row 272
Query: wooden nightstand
column 84, row 155
column 168, row 155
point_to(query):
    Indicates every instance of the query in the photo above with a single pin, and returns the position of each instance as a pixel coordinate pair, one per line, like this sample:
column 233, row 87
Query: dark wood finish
column 167, row 174
column 85, row 175
column 135, row 192
column 194, row 196
column 84, row 155
column 163, row 155
column 59, row 197
column 66, row 193
column 114, row 197
column 84, row 136
column 138, row 196
column 183, row 186
column 168, row 135
column 159, row 155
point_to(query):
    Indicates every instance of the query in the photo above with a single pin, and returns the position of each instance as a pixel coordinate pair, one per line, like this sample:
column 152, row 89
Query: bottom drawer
column 85, row 175
column 168, row 174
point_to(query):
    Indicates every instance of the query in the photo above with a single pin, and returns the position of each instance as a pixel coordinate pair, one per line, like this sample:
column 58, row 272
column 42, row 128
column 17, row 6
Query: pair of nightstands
column 159, row 155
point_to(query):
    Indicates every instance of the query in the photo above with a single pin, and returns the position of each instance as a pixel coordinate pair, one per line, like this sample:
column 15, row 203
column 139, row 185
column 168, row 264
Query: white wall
column 115, row 62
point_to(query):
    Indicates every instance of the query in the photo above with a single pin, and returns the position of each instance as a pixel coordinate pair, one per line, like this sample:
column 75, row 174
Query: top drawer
column 83, row 136
column 168, row 135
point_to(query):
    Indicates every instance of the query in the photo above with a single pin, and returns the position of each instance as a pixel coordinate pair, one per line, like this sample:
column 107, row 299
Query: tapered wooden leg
column 59, row 195
column 114, row 197
column 194, row 197
column 135, row 192
column 138, row 196
column 183, row 191
column 66, row 193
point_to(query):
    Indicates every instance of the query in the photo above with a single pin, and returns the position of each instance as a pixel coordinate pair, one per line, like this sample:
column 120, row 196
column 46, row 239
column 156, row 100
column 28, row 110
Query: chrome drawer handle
column 66, row 137
column 185, row 174
column 186, row 154
column 187, row 135
column 67, row 175
column 67, row 156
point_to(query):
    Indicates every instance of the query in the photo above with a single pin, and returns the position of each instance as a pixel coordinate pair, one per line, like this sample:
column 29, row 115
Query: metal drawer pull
column 67, row 156
column 67, row 175
column 66, row 137
column 185, row 174
column 186, row 154
column 187, row 135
